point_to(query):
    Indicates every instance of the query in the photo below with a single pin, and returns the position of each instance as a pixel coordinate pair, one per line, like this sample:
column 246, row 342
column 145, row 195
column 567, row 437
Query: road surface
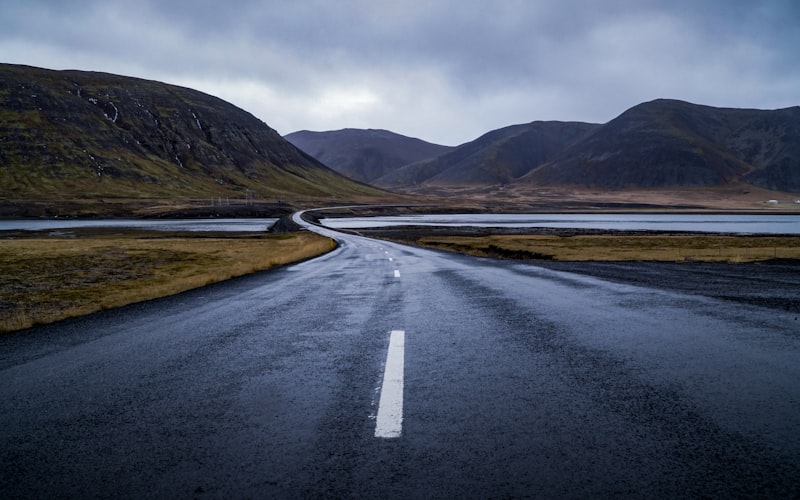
column 381, row 370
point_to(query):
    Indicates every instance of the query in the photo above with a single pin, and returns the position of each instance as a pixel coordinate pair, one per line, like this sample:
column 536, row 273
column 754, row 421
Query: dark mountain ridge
column 669, row 143
column 364, row 155
column 78, row 134
column 658, row 144
column 497, row 157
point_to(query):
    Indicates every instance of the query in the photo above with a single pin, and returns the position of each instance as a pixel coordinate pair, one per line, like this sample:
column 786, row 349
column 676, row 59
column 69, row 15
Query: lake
column 711, row 223
column 226, row 225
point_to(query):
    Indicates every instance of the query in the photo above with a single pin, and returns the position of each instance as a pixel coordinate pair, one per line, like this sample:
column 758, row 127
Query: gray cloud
column 445, row 71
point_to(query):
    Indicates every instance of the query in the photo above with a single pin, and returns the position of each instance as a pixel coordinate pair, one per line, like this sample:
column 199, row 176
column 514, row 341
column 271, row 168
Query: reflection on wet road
column 514, row 380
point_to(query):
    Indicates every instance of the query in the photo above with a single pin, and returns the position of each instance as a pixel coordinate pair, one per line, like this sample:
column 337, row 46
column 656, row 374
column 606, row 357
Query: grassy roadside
column 710, row 248
column 47, row 278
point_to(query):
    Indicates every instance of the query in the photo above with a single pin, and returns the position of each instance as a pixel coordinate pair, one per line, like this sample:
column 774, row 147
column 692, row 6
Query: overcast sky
column 445, row 71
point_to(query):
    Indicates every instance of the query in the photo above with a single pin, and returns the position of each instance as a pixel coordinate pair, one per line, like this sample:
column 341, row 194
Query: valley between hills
column 659, row 155
column 87, row 144
column 76, row 144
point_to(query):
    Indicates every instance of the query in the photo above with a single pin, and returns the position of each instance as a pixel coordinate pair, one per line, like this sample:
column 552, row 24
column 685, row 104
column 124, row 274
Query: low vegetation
column 710, row 248
column 52, row 277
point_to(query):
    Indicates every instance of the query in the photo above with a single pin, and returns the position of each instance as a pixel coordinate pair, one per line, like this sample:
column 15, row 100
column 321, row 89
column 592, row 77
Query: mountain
column 84, row 135
column 675, row 144
column 658, row 144
column 498, row 157
column 364, row 155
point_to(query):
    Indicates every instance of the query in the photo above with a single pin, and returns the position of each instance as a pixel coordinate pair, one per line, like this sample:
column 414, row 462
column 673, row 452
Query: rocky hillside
column 668, row 143
column 364, row 155
column 498, row 157
column 658, row 144
column 75, row 134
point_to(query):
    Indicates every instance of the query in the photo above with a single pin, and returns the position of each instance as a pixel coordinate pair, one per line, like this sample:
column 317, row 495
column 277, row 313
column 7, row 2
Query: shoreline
column 422, row 231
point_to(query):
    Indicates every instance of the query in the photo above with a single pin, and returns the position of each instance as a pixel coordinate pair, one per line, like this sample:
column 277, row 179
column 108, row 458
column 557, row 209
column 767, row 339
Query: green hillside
column 85, row 138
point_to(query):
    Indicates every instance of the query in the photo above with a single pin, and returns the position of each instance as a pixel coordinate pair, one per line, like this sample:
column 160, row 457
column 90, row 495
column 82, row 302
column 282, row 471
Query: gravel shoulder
column 771, row 284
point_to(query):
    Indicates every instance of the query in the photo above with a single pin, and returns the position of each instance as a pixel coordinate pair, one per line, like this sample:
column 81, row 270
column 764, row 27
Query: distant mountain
column 498, row 157
column 364, row 155
column 668, row 143
column 658, row 144
column 77, row 134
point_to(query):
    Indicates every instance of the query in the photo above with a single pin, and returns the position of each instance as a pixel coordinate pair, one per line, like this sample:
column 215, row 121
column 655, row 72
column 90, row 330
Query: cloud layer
column 444, row 71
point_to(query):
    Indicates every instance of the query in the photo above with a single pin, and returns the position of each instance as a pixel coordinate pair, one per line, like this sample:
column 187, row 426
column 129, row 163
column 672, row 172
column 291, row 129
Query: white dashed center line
column 396, row 273
column 389, row 422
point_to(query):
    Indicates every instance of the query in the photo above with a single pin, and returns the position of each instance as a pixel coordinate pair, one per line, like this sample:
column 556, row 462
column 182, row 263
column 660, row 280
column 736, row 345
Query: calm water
column 232, row 225
column 746, row 224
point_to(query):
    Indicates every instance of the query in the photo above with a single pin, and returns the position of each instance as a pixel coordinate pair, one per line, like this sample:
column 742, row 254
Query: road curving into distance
column 501, row 379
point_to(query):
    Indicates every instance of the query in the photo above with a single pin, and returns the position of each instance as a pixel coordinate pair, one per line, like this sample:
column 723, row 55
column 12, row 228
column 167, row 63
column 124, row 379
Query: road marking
column 396, row 273
column 390, row 259
column 389, row 422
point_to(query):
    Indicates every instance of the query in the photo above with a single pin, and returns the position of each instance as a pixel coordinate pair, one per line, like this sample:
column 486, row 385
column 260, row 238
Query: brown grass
column 45, row 279
column 526, row 198
column 620, row 248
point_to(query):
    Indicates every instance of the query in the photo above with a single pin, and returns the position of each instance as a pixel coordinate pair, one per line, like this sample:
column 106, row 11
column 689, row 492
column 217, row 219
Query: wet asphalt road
column 520, row 381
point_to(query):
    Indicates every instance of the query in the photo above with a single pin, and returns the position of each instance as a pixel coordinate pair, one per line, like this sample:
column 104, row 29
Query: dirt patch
column 768, row 284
